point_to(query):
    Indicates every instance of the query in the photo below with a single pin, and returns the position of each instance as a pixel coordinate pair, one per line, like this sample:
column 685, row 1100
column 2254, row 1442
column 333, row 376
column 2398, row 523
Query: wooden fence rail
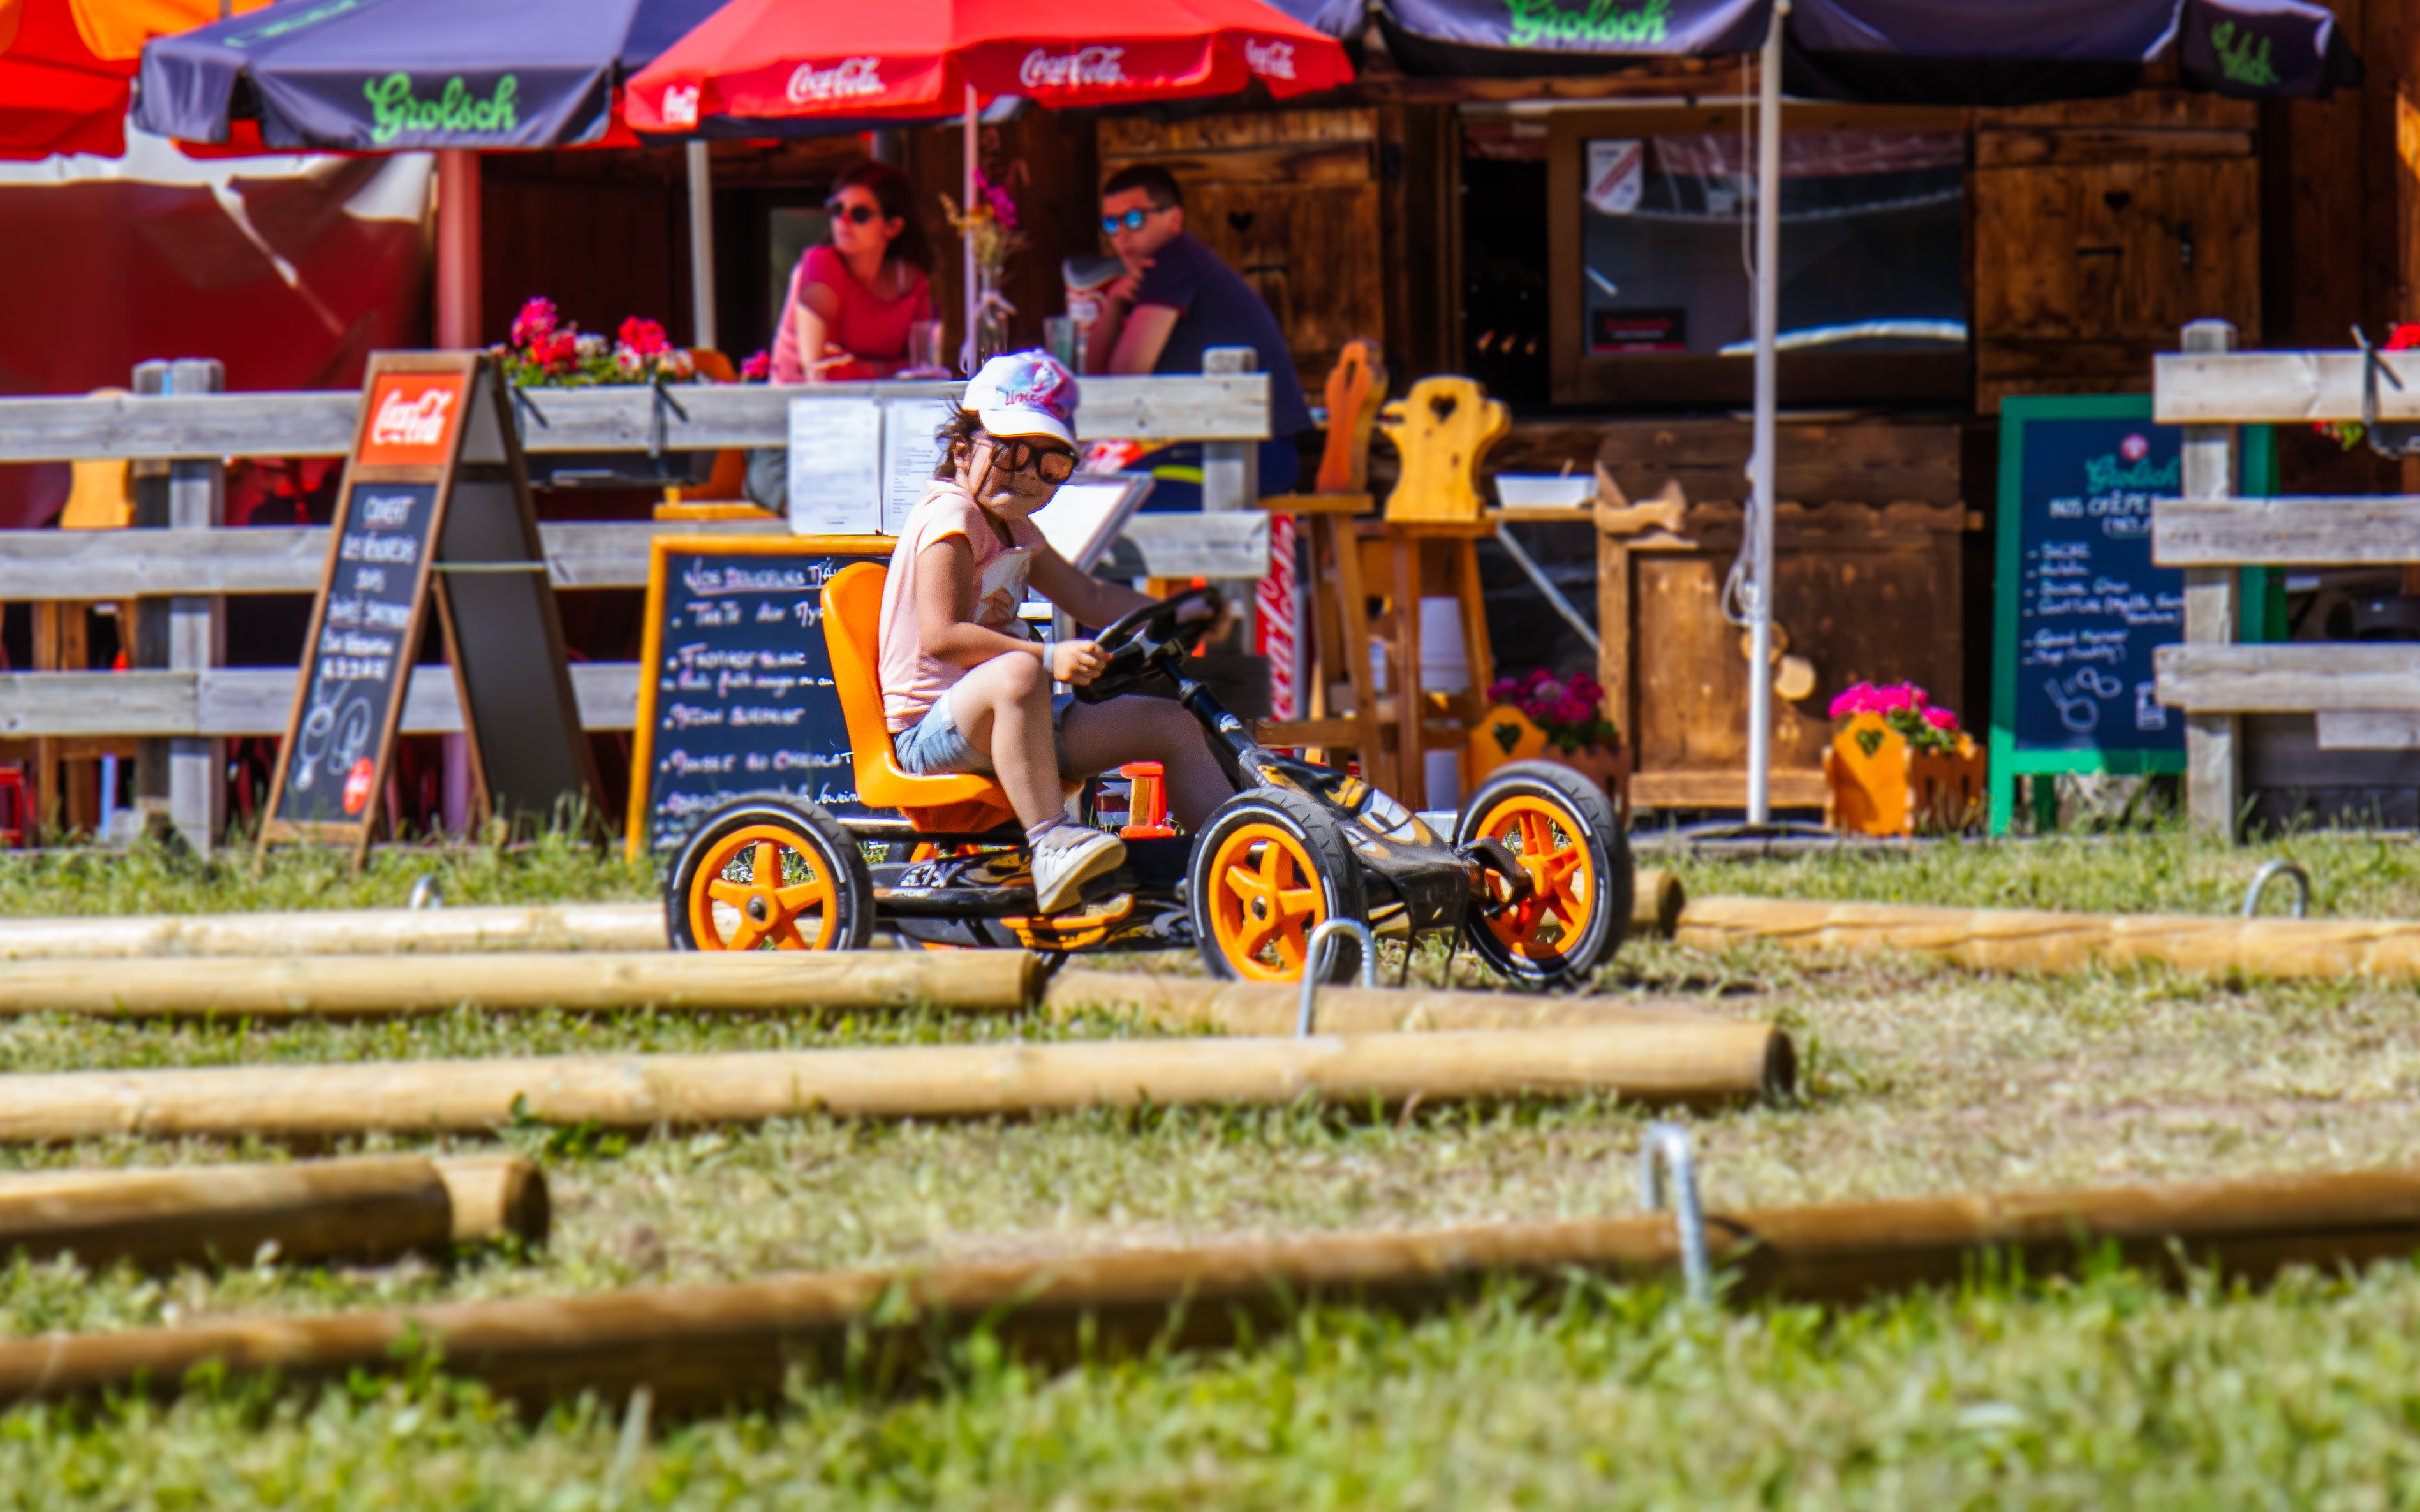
column 2361, row 697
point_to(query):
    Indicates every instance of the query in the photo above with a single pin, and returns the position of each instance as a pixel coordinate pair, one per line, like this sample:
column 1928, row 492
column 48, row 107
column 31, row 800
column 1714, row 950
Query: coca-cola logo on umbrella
column 856, row 78
column 1269, row 59
column 1085, row 66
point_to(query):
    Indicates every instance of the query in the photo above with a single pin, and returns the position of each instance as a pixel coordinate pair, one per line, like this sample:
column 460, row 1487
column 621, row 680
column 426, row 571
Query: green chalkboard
column 2079, row 607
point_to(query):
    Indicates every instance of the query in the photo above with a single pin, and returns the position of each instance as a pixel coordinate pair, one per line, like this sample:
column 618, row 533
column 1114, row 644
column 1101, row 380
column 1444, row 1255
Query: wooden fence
column 192, row 566
column 2361, row 696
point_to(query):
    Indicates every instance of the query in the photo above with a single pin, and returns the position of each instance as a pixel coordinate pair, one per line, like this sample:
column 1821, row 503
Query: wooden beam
column 624, row 927
column 1233, row 407
column 2275, row 388
column 1657, row 1063
column 255, row 700
column 2295, row 678
column 402, row 986
column 2285, row 532
column 705, row 1346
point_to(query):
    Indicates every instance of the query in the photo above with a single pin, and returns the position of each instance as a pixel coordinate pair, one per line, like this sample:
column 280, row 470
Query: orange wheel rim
column 1550, row 846
column 1265, row 899
column 763, row 887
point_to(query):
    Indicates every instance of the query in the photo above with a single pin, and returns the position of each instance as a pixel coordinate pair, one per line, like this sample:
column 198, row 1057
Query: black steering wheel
column 1141, row 638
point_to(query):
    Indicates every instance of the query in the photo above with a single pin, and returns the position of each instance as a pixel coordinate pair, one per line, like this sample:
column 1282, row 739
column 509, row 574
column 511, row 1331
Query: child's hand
column 1075, row 662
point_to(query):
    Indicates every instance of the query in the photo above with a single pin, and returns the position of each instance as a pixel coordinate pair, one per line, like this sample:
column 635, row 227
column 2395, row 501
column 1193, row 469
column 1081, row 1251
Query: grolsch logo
column 455, row 110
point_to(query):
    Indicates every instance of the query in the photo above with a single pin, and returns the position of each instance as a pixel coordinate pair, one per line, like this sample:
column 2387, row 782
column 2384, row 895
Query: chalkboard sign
column 435, row 506
column 2080, row 607
column 736, row 691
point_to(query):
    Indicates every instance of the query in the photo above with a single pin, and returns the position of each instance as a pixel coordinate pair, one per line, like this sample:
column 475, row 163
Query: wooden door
column 1289, row 200
column 2101, row 228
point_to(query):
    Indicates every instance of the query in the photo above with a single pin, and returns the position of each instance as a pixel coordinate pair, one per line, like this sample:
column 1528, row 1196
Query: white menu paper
column 836, row 471
column 910, row 455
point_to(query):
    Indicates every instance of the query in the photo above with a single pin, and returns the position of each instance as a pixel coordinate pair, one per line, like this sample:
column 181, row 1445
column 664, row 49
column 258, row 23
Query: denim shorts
column 932, row 746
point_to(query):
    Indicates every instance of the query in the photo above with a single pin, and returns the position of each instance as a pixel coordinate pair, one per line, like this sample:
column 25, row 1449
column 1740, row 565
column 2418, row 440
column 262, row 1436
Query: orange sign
column 413, row 416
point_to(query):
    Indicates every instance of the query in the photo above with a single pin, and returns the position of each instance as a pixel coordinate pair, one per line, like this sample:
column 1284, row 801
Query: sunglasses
column 1131, row 220
column 857, row 214
column 1048, row 463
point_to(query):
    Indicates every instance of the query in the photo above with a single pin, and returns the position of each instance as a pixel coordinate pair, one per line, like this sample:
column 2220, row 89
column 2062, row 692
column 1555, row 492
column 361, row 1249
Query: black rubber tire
column 1334, row 868
column 1589, row 814
column 810, row 830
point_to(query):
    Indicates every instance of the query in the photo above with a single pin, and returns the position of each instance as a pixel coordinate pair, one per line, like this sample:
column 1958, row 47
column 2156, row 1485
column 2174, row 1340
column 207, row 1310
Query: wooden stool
column 1357, row 386
column 1435, row 519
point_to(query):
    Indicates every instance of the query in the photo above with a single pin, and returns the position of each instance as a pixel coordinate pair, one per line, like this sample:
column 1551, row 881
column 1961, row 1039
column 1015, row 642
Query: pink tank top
column 864, row 326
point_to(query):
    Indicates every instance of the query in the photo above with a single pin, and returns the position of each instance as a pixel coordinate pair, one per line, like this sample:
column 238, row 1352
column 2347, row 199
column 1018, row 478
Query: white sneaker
column 1061, row 871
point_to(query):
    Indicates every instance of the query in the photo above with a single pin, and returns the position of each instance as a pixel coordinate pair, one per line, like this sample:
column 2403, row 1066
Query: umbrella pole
column 974, row 298
column 1757, row 596
column 701, row 247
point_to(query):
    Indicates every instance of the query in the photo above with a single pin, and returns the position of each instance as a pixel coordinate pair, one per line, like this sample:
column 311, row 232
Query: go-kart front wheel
column 770, row 873
column 1563, row 830
column 1269, row 868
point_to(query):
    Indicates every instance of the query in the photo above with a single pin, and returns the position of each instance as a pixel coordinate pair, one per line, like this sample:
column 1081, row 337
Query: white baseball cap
column 1024, row 393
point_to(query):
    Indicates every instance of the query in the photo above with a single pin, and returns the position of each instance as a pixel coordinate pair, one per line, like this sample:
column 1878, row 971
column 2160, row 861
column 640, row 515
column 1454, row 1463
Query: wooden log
column 619, row 927
column 368, row 1210
column 1706, row 1063
column 1258, row 1008
column 2013, row 939
column 731, row 1342
column 1657, row 900
column 339, row 986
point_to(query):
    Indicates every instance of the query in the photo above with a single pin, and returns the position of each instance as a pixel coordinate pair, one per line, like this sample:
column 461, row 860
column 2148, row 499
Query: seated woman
column 850, row 303
column 965, row 688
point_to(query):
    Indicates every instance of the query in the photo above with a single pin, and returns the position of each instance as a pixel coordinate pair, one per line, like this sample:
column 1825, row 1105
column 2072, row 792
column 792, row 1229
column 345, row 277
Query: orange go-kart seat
column 852, row 616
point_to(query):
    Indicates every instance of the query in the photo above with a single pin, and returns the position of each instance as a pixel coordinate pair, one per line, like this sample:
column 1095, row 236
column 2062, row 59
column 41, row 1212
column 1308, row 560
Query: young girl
column 965, row 688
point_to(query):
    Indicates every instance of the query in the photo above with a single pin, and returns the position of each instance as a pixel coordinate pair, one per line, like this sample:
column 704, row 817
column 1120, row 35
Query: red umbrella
column 909, row 58
column 65, row 66
column 914, row 59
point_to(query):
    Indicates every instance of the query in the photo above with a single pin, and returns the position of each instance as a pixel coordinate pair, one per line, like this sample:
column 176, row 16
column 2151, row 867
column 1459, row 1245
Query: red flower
column 2404, row 338
column 535, row 323
column 558, row 353
column 644, row 338
column 757, row 368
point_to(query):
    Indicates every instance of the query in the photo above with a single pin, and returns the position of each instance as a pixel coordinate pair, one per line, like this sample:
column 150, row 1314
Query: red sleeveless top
column 865, row 326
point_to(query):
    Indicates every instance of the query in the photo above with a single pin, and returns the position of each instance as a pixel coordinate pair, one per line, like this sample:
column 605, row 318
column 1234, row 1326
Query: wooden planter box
column 1898, row 789
column 1506, row 735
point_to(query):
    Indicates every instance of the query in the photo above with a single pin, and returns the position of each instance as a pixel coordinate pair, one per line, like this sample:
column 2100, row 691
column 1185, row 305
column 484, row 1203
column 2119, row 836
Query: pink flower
column 627, row 360
column 535, row 323
column 557, row 353
column 1941, row 720
column 645, row 338
column 1502, row 690
column 757, row 368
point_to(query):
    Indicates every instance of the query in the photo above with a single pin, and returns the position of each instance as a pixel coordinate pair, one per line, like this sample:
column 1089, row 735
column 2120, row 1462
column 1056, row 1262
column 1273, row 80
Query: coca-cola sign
column 680, row 105
column 412, row 419
column 1085, row 67
column 1271, row 59
column 856, row 78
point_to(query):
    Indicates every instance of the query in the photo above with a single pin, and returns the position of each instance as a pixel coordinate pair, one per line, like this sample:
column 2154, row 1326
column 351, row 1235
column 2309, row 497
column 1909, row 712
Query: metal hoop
column 1667, row 1152
column 1314, row 962
column 2271, row 872
column 428, row 892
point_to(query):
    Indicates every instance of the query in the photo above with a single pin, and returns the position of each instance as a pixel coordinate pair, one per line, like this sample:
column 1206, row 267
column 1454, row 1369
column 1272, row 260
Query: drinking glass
column 925, row 351
column 1060, row 334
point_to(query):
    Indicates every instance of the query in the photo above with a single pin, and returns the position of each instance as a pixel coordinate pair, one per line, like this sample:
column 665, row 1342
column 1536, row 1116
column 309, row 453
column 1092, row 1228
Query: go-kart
column 1537, row 875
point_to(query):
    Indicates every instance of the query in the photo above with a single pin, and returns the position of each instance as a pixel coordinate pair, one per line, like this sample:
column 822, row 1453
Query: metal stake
column 1667, row 1152
column 2271, row 872
column 1315, row 963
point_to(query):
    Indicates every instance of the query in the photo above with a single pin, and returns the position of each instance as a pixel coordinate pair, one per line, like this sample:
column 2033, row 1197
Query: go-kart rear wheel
column 769, row 874
column 1563, row 830
column 1269, row 868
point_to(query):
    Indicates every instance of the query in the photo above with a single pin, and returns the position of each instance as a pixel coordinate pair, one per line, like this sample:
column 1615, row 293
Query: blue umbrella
column 407, row 75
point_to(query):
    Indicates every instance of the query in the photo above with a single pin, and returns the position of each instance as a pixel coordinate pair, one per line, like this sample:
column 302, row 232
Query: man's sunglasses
column 857, row 213
column 1048, row 463
column 1131, row 220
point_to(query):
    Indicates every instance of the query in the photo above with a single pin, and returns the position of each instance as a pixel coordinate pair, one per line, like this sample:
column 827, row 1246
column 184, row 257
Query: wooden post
column 2213, row 762
column 1230, row 477
column 182, row 779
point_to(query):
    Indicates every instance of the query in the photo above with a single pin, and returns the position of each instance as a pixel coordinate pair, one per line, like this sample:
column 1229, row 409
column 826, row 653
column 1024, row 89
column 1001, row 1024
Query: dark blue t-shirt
column 1219, row 309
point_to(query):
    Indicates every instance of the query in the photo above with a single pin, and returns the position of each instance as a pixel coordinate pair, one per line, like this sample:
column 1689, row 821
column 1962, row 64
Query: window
column 1655, row 223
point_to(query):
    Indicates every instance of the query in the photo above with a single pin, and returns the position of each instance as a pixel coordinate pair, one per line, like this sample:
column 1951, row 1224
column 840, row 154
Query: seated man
column 966, row 688
column 1177, row 300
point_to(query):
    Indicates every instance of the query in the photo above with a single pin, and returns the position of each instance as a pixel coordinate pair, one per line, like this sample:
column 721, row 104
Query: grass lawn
column 1916, row 1079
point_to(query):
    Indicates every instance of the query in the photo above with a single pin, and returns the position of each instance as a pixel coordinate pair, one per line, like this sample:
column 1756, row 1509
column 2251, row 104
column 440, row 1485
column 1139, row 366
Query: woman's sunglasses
column 858, row 214
column 1050, row 464
column 1131, row 220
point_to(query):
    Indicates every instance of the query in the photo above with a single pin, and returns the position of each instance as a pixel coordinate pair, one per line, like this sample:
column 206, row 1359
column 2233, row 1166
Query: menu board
column 359, row 662
column 735, row 692
column 2080, row 607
